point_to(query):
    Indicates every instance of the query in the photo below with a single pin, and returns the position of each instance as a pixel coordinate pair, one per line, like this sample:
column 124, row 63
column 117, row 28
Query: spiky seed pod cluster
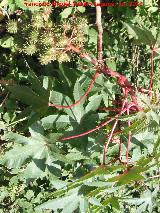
column 37, row 20
column 33, row 36
column 63, row 57
column 47, row 38
column 30, row 49
column 62, row 42
column 40, row 36
column 12, row 26
column 47, row 56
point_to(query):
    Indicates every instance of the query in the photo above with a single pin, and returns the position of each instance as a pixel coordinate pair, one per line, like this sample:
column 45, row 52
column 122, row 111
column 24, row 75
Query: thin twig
column 4, row 100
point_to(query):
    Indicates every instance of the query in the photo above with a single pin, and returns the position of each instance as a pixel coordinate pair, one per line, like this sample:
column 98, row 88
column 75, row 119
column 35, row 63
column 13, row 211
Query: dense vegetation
column 79, row 108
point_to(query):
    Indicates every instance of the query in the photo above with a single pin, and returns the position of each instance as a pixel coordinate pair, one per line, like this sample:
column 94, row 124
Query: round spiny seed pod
column 63, row 41
column 66, row 26
column 80, row 39
column 63, row 57
column 37, row 21
column 47, row 39
column 48, row 56
column 81, row 23
column 44, row 59
column 12, row 26
column 33, row 37
column 48, row 24
column 30, row 49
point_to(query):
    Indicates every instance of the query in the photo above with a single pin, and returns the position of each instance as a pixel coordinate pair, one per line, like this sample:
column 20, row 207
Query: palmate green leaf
column 39, row 151
column 27, row 96
column 146, row 137
column 36, row 85
column 141, row 34
column 76, row 112
column 17, row 156
column 145, row 202
column 60, row 99
column 14, row 137
column 35, row 169
column 71, row 201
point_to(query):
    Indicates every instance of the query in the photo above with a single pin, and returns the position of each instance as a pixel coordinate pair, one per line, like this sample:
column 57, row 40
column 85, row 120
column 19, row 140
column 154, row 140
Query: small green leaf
column 141, row 34
column 66, row 12
column 94, row 102
column 6, row 42
column 81, row 9
column 92, row 36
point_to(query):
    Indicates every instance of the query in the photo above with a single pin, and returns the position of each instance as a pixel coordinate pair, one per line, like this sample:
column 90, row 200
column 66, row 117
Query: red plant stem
column 96, row 128
column 122, row 80
column 152, row 71
column 83, row 96
column 115, row 109
column 108, row 141
column 142, row 90
column 129, row 139
column 111, row 134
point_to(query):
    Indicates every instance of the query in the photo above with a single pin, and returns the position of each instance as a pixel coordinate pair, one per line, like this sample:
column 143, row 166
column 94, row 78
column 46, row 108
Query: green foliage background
column 40, row 173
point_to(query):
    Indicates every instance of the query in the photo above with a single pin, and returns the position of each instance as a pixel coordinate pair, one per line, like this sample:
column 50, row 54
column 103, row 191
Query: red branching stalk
column 122, row 80
column 152, row 71
column 83, row 96
column 100, row 33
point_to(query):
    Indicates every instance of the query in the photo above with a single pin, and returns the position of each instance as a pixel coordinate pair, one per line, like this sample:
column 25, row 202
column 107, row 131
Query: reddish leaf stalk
column 108, row 141
column 83, row 96
column 111, row 135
